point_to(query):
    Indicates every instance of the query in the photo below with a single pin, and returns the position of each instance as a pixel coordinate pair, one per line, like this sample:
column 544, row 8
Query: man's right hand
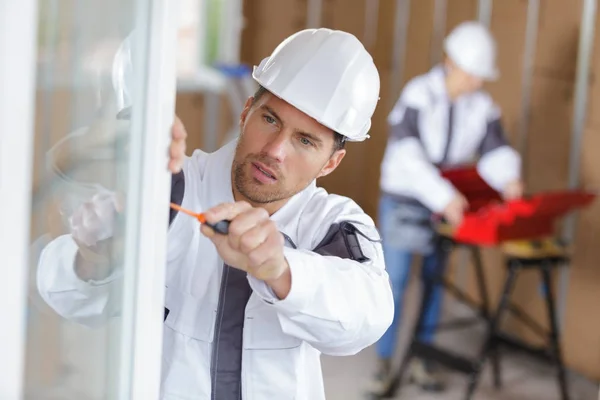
column 453, row 213
column 92, row 228
column 92, row 224
column 93, row 221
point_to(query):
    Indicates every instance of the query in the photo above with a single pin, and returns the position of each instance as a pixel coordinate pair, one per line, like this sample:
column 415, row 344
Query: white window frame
column 148, row 200
column 18, row 42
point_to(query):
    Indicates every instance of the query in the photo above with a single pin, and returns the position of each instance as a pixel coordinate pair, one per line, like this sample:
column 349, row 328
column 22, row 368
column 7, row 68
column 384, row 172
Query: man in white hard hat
column 442, row 119
column 300, row 273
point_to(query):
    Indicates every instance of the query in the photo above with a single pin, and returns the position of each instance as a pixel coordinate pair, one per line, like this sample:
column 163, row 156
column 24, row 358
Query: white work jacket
column 338, row 304
column 428, row 131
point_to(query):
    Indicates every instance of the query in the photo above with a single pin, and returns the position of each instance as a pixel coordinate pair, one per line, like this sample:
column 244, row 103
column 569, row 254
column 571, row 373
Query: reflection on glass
column 80, row 153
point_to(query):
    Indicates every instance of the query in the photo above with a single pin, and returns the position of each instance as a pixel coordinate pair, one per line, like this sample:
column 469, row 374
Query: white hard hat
column 472, row 47
column 326, row 74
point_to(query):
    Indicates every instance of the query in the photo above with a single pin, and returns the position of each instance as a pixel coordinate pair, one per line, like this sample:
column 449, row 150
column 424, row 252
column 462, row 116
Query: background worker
column 442, row 119
column 248, row 314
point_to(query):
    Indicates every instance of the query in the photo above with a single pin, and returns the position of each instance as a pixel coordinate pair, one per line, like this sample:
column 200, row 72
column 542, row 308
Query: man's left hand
column 254, row 244
column 513, row 190
column 177, row 146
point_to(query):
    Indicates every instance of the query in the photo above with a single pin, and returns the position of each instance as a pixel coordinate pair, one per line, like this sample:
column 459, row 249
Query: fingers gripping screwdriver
column 221, row 227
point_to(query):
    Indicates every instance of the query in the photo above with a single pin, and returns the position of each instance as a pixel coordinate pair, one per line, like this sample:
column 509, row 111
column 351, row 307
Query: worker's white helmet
column 472, row 48
column 328, row 75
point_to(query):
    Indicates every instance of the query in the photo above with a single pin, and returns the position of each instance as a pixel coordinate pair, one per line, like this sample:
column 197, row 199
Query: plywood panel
column 345, row 15
column 189, row 108
column 376, row 144
column 268, row 22
column 558, row 37
column 458, row 11
column 582, row 330
column 508, row 25
column 549, row 134
column 420, row 36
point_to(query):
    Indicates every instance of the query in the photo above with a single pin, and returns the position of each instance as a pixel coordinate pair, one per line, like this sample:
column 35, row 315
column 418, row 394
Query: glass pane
column 73, row 343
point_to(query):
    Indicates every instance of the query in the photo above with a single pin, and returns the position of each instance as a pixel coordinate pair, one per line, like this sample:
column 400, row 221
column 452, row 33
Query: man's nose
column 277, row 146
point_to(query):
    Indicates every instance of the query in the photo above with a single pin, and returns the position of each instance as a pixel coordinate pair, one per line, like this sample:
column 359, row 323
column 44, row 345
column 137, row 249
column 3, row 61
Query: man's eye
column 269, row 119
column 305, row 141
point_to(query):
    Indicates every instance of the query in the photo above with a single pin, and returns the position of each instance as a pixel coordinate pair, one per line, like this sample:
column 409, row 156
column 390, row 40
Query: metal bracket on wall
column 401, row 20
column 439, row 30
column 314, row 12
column 531, row 30
column 584, row 57
column 371, row 20
column 484, row 11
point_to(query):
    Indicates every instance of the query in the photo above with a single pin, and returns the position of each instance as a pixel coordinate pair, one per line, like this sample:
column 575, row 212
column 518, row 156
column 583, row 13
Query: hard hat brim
column 257, row 79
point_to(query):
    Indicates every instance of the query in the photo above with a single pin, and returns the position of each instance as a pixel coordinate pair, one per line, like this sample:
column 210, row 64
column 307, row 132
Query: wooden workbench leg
column 554, row 334
column 485, row 314
column 491, row 342
column 428, row 287
column 429, row 284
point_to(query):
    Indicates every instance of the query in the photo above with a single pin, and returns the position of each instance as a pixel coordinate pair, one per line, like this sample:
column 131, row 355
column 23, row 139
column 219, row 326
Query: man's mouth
column 267, row 172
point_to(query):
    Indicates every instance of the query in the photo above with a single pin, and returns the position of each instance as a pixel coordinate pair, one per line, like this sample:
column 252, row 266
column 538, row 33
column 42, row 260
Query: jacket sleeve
column 499, row 163
column 405, row 157
column 340, row 299
column 89, row 302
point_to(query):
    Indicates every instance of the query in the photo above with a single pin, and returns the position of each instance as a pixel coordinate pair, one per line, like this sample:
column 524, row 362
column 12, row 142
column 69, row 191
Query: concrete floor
column 82, row 371
column 524, row 378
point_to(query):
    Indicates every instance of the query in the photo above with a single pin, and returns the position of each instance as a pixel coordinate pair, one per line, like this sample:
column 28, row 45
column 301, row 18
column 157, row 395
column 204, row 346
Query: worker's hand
column 92, row 227
column 513, row 190
column 94, row 220
column 177, row 147
column 455, row 209
column 254, row 244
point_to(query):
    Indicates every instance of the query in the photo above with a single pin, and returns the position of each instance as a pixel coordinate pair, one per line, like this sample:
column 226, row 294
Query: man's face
column 463, row 81
column 468, row 82
column 280, row 151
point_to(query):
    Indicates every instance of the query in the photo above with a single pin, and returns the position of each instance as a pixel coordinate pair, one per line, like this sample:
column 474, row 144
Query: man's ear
column 246, row 110
column 332, row 163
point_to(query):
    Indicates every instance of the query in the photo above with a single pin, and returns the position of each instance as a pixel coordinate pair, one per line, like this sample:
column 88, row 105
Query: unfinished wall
column 582, row 329
column 548, row 130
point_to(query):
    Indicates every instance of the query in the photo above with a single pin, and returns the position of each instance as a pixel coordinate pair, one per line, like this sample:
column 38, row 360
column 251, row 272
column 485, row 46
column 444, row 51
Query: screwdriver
column 221, row 227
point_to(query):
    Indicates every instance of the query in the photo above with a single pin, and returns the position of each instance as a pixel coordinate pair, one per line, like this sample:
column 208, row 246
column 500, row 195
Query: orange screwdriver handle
column 221, row 227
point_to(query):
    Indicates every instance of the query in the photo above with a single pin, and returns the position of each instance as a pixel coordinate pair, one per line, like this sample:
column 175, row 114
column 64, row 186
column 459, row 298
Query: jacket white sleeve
column 422, row 180
column 91, row 302
column 406, row 168
column 88, row 302
column 499, row 164
column 338, row 305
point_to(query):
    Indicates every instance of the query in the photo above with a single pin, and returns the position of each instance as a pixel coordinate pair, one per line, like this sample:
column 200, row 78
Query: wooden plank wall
column 549, row 129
